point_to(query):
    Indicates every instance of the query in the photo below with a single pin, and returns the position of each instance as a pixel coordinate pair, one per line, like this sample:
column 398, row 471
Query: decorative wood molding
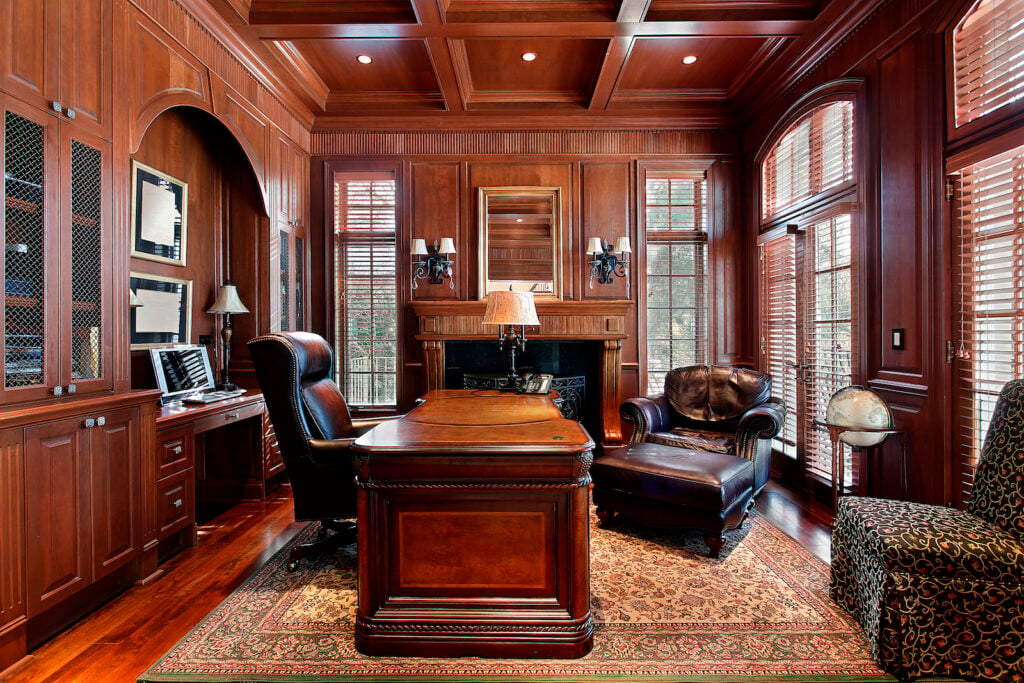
column 569, row 142
column 12, row 528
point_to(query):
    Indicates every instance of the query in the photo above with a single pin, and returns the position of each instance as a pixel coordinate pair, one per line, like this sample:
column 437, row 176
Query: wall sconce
column 605, row 265
column 435, row 263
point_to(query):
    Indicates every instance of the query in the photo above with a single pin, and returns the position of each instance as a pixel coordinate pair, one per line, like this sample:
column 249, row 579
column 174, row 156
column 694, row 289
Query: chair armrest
column 650, row 414
column 324, row 451
column 762, row 422
column 364, row 425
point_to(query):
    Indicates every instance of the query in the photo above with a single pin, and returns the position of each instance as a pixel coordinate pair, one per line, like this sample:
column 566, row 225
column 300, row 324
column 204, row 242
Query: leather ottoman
column 667, row 486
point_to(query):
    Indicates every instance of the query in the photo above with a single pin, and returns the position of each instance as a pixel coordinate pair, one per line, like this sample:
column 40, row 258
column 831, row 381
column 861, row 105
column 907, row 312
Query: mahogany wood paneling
column 436, row 213
column 335, row 62
column 307, row 12
column 507, row 11
column 58, row 532
column 31, row 67
column 86, row 60
column 114, row 490
column 731, row 269
column 12, row 531
column 251, row 130
column 607, row 195
column 655, row 70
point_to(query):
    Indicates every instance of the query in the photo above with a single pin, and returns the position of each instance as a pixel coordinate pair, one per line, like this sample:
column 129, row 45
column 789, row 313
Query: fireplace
column 589, row 343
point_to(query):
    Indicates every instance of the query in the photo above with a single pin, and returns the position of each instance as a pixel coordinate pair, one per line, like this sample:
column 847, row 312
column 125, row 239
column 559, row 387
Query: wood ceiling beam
column 614, row 59
column 306, row 77
column 590, row 29
column 429, row 16
column 632, row 11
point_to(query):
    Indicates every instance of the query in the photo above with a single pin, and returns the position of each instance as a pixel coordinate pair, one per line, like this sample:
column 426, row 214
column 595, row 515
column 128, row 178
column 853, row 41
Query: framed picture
column 165, row 314
column 159, row 221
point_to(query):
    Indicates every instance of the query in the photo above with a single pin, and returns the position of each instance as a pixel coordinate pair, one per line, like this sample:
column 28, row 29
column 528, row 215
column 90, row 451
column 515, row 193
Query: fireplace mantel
column 440, row 321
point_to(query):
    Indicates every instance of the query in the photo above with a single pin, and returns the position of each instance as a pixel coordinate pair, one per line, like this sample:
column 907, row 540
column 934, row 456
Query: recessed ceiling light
column 529, row 56
column 364, row 59
column 689, row 59
column 519, row 220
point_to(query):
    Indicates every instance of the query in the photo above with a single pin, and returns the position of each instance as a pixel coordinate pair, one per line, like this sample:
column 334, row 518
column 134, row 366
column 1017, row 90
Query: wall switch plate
column 899, row 338
column 205, row 339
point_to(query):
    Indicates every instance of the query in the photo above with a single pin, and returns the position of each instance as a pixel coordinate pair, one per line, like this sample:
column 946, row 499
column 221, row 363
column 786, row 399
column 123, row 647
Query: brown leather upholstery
column 712, row 408
column 309, row 416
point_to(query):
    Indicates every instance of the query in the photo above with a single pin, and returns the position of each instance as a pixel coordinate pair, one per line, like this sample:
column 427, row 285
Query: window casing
column 365, row 222
column 676, row 312
column 988, row 59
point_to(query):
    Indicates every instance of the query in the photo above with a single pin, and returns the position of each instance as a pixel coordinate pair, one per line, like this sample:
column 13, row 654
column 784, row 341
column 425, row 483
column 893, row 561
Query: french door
column 807, row 335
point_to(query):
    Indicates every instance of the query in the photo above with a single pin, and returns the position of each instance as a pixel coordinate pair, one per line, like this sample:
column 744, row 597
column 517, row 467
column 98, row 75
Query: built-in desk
column 215, row 452
column 473, row 530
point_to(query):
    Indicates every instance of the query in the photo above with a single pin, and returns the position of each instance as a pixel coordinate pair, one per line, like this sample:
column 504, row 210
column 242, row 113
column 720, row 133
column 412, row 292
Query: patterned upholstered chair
column 941, row 591
column 712, row 409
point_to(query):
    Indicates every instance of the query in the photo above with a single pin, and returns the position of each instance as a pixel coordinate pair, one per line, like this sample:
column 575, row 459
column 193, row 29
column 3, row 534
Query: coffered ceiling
column 674, row 63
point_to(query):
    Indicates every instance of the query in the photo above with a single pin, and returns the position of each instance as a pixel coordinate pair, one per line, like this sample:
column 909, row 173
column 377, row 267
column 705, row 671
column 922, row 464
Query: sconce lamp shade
column 622, row 246
column 133, row 299
column 595, row 246
column 510, row 308
column 227, row 301
column 447, row 245
column 419, row 247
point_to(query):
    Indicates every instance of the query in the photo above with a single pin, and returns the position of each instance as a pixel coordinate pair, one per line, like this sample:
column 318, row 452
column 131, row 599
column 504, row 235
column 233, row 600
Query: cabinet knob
column 55, row 105
column 231, row 416
column 177, row 503
column 69, row 112
column 58, row 391
column 88, row 423
column 176, row 450
column 100, row 421
column 72, row 388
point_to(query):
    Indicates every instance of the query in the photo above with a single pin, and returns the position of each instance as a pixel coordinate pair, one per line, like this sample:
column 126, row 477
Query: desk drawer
column 174, row 450
column 175, row 502
column 229, row 415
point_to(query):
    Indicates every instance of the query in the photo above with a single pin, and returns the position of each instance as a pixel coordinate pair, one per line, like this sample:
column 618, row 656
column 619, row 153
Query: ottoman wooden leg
column 605, row 516
column 715, row 541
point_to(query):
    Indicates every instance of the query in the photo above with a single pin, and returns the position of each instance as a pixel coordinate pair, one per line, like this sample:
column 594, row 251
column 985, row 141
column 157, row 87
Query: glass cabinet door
column 30, row 257
column 285, row 282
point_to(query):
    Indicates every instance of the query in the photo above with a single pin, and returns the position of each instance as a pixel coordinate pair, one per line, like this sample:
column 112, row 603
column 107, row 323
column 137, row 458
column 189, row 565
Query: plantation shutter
column 828, row 338
column 367, row 295
column 815, row 154
column 988, row 58
column 991, row 288
column 779, row 331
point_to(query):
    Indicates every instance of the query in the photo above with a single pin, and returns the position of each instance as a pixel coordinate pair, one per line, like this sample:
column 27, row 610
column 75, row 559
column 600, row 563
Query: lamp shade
column 510, row 308
column 594, row 246
column 133, row 299
column 622, row 246
column 227, row 301
column 447, row 245
column 419, row 247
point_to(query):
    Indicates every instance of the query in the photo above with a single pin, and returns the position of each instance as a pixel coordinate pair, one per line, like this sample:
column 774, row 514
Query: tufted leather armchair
column 314, row 432
column 939, row 591
column 715, row 409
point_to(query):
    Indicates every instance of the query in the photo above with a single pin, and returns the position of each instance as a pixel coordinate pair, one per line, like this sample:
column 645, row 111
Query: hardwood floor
column 122, row 639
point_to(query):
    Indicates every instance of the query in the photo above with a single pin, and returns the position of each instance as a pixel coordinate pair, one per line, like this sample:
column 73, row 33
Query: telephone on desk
column 535, row 383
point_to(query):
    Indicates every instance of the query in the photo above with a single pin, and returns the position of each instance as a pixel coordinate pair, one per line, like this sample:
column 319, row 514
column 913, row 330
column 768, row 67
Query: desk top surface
column 177, row 412
column 461, row 420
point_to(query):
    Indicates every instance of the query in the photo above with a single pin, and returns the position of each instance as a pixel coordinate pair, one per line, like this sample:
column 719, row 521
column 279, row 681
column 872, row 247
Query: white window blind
column 988, row 58
column 827, row 337
column 367, row 295
column 779, row 331
column 815, row 154
column 676, row 219
column 991, row 288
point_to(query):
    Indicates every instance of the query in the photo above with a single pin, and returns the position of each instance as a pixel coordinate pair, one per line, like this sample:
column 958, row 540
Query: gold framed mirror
column 521, row 240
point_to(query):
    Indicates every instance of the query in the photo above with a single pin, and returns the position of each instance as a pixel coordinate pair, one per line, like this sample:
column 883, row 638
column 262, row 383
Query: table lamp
column 511, row 308
column 227, row 303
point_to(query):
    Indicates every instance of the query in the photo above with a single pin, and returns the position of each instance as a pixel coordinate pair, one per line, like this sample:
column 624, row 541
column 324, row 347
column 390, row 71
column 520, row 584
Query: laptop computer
column 183, row 373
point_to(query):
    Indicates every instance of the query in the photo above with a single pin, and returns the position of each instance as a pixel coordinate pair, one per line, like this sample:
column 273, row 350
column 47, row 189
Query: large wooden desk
column 473, row 530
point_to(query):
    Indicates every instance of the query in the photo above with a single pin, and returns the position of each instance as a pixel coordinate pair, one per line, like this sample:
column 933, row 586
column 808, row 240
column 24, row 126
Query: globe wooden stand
column 835, row 432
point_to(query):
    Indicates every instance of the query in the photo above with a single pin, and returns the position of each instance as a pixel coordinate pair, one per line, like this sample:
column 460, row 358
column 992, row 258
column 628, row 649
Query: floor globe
column 857, row 407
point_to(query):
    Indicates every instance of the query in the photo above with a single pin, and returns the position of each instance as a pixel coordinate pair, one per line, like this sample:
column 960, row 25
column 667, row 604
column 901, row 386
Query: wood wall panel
column 607, row 193
column 12, row 528
column 436, row 210
column 114, row 490
column 86, row 62
column 30, row 66
column 730, row 270
column 251, row 130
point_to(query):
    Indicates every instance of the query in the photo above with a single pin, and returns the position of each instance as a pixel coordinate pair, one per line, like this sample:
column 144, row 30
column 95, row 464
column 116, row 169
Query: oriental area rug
column 663, row 611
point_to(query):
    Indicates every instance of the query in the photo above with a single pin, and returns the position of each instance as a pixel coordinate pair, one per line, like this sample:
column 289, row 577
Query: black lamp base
column 226, row 386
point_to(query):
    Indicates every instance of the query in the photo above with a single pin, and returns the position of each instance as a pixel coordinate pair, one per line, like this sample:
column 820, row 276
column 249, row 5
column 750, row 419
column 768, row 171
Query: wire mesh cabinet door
column 86, row 262
column 30, row 258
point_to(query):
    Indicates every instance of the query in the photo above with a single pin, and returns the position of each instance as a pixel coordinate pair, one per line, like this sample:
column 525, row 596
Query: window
column 988, row 58
column 779, row 329
column 815, row 154
column 367, row 294
column 990, row 255
column 676, row 219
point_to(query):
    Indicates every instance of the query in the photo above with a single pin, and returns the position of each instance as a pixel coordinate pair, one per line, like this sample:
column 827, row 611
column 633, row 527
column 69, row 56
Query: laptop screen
column 182, row 369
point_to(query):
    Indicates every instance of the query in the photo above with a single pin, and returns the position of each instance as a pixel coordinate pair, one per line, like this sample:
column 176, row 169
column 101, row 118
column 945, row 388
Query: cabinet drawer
column 175, row 502
column 228, row 416
column 174, row 451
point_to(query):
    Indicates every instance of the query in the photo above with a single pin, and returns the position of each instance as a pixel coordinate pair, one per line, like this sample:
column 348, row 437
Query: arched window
column 988, row 58
column 815, row 154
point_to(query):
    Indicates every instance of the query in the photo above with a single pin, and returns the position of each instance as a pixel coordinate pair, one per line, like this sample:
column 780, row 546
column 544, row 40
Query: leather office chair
column 314, row 432
column 712, row 409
